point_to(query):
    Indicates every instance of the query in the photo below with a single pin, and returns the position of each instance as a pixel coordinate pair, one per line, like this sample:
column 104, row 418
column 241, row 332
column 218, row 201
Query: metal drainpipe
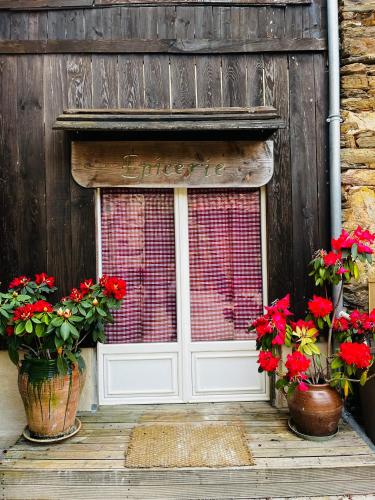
column 334, row 123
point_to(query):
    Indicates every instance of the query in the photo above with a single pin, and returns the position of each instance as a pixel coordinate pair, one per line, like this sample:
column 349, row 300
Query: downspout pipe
column 334, row 125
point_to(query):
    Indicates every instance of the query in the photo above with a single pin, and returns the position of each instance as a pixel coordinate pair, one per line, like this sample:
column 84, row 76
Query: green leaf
column 71, row 357
column 57, row 322
column 363, row 378
column 59, row 342
column 65, row 330
column 20, row 328
column 29, row 326
column 39, row 330
column 354, row 251
column 101, row 312
column 62, row 365
column 74, row 331
column 4, row 312
column 336, row 363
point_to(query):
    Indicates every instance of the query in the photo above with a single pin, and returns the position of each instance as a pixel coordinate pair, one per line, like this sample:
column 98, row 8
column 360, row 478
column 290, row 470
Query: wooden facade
column 165, row 55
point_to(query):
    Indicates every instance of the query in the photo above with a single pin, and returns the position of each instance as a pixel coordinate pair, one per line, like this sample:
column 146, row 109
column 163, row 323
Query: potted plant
column 44, row 342
column 315, row 382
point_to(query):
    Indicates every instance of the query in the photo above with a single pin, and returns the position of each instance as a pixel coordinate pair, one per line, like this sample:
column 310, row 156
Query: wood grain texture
column 91, row 464
column 171, row 46
column 156, row 164
column 304, row 172
column 66, row 4
column 79, row 90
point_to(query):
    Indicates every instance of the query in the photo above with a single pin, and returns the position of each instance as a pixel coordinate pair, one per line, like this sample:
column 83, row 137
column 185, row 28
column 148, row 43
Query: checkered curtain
column 138, row 244
column 225, row 263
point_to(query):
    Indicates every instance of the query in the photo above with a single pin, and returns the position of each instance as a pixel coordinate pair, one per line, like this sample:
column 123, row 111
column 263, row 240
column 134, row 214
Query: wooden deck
column 91, row 464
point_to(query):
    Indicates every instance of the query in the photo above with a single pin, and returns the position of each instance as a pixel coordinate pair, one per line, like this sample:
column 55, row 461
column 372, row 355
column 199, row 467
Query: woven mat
column 188, row 445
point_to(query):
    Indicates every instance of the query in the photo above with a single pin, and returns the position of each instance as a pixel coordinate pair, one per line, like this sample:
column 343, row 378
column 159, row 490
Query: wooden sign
column 156, row 164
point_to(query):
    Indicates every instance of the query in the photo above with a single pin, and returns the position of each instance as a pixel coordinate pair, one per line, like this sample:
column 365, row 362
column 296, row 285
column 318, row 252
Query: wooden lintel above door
column 262, row 118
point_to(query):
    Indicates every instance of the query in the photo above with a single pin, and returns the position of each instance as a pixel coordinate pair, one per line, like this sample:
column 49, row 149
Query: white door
column 195, row 264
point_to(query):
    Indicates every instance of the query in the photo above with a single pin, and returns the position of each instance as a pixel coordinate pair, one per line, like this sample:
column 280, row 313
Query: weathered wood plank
column 172, row 46
column 30, row 167
column 156, row 81
column 119, row 453
column 131, row 82
column 183, row 82
column 234, row 83
column 10, row 255
column 304, row 172
column 276, row 82
column 193, row 491
column 58, row 229
column 172, row 163
column 105, row 77
column 79, row 89
column 66, row 4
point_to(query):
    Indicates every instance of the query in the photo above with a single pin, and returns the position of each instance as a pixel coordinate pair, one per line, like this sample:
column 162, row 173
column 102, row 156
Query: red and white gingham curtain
column 225, row 263
column 138, row 245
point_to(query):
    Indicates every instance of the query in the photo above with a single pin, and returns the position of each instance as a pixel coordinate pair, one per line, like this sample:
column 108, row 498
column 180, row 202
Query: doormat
column 188, row 445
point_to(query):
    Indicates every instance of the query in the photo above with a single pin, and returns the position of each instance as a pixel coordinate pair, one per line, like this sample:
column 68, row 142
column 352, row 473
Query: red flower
column 76, row 295
column 357, row 320
column 103, row 280
column 44, row 279
column 369, row 323
column 279, row 339
column 341, row 270
column 331, row 258
column 341, row 325
column 262, row 326
column 364, row 235
column 42, row 306
column 86, row 285
column 9, row 330
column 302, row 387
column 344, row 241
column 21, row 281
column 355, row 354
column 23, row 313
column 364, row 248
column 301, row 323
column 267, row 361
column 320, row 307
column 115, row 287
column 296, row 364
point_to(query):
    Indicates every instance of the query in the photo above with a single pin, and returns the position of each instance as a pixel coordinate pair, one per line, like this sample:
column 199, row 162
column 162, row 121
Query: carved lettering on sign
column 172, row 163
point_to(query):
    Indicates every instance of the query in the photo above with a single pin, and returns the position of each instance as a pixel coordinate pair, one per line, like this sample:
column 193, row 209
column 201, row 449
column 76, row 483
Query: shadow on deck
column 91, row 464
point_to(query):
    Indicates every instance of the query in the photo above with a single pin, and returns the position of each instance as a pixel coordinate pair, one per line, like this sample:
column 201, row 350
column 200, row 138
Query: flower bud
column 95, row 302
column 60, row 312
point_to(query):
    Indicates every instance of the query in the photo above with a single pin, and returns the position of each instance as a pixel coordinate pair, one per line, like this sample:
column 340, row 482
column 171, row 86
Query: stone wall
column 357, row 25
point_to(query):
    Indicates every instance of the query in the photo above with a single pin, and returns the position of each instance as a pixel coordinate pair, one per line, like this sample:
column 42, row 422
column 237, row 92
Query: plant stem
column 329, row 346
column 29, row 349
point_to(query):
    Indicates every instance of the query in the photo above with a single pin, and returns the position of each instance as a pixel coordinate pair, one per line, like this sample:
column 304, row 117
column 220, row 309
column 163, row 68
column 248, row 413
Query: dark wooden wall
column 47, row 221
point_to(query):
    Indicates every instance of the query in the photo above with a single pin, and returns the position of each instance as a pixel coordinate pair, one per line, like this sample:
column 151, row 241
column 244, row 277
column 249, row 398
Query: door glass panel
column 225, row 263
column 138, row 245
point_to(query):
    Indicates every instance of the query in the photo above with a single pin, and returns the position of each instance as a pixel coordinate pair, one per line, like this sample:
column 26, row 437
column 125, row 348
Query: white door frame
column 178, row 364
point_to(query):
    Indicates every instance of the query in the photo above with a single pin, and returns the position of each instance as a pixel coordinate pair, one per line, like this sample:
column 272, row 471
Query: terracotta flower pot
column 316, row 412
column 50, row 399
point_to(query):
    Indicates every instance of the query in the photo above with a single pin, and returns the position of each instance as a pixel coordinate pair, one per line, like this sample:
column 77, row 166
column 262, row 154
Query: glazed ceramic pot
column 50, row 399
column 316, row 412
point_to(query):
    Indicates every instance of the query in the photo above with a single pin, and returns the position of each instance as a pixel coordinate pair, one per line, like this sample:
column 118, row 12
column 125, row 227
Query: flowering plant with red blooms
column 354, row 331
column 35, row 328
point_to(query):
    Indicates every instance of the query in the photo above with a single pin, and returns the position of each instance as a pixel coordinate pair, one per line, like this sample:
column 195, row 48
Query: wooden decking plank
column 191, row 491
column 153, row 477
column 118, row 454
column 261, row 463
column 91, row 464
